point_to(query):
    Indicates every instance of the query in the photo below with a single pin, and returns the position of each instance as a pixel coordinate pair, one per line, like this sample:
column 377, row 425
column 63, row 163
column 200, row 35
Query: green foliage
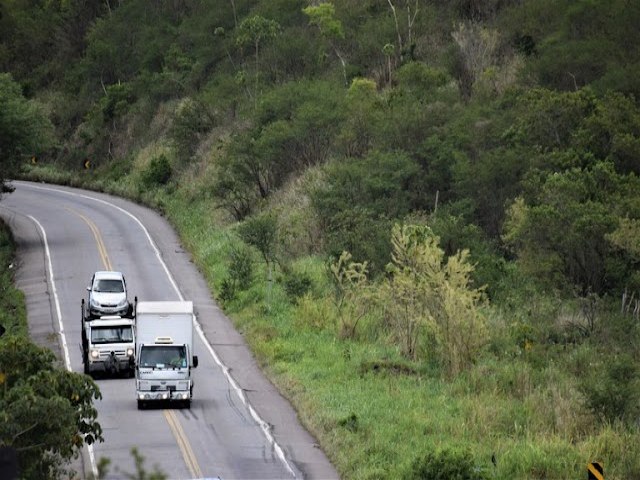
column 32, row 384
column 563, row 233
column 240, row 272
column 141, row 472
column 350, row 293
column 116, row 101
column 158, row 172
column 490, row 131
column 295, row 126
column 261, row 231
column 296, row 284
column 25, row 130
column 191, row 122
column 359, row 200
column 12, row 308
column 446, row 464
column 425, row 294
column 612, row 392
column 253, row 30
column 323, row 16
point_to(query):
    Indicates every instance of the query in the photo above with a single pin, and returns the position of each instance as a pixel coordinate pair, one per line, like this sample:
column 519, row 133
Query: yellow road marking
column 102, row 249
column 183, row 443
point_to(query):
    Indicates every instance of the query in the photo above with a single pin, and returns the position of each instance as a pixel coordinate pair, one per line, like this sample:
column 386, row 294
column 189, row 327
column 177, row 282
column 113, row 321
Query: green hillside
column 423, row 216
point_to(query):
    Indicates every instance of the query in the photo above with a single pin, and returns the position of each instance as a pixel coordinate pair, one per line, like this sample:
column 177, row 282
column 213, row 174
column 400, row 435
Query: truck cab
column 108, row 345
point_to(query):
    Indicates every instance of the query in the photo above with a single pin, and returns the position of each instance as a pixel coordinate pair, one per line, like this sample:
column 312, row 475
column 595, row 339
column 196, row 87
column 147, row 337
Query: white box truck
column 164, row 352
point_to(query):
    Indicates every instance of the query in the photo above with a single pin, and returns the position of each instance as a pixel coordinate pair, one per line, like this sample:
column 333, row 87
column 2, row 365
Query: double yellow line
column 187, row 453
column 183, row 443
column 102, row 249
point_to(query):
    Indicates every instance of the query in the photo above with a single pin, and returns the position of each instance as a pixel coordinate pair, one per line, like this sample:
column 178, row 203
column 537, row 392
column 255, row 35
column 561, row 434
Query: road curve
column 239, row 426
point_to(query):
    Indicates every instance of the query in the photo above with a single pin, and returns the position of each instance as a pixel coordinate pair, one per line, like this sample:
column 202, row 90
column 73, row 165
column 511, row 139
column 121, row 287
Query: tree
column 575, row 227
column 323, row 16
column 30, row 384
column 360, row 199
column 25, row 130
column 427, row 293
column 255, row 31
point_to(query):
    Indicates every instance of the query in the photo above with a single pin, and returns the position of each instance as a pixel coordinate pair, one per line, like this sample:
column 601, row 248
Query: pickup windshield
column 122, row 334
column 164, row 356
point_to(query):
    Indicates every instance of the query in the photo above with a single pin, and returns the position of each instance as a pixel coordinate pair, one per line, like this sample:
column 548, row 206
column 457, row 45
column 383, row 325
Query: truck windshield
column 116, row 334
column 161, row 356
column 109, row 286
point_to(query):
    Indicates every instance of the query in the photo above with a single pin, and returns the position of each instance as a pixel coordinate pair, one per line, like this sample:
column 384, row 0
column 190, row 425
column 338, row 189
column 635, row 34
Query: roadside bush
column 240, row 273
column 296, row 284
column 613, row 391
column 158, row 172
column 446, row 465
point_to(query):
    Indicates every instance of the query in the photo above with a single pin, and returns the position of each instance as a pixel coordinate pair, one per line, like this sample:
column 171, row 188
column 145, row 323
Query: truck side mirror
column 195, row 361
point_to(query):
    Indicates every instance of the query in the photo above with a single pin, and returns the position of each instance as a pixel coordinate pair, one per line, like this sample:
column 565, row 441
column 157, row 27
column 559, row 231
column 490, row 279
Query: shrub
column 296, row 284
column 158, row 172
column 613, row 393
column 446, row 465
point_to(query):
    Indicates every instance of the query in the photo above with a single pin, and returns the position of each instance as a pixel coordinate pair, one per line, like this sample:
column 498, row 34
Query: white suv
column 108, row 295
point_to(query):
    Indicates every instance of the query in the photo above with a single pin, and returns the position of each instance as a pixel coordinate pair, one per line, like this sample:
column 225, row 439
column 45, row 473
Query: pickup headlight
column 95, row 353
column 129, row 352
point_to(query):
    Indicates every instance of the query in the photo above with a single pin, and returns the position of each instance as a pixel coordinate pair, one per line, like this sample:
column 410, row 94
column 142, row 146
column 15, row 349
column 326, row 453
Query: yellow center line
column 102, row 249
column 172, row 420
column 183, row 443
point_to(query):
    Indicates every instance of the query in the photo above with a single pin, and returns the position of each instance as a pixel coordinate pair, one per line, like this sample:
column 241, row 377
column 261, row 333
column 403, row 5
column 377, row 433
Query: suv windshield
column 109, row 286
column 111, row 334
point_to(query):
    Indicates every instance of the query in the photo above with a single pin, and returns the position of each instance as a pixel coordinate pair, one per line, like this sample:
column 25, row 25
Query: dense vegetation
column 32, row 382
column 423, row 215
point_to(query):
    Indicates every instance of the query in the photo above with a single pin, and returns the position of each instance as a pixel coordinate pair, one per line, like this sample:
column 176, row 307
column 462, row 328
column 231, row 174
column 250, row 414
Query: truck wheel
column 85, row 364
column 141, row 405
column 187, row 404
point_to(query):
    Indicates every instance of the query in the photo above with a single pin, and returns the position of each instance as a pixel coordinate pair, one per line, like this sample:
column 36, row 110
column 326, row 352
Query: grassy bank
column 534, row 403
column 13, row 315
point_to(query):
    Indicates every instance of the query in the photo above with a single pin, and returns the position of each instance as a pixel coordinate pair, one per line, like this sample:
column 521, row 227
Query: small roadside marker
column 595, row 471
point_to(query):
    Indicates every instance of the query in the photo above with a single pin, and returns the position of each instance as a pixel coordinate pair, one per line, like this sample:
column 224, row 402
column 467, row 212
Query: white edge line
column 63, row 337
column 264, row 426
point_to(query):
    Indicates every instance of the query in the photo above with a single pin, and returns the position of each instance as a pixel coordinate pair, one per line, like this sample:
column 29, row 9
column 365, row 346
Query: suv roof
column 111, row 275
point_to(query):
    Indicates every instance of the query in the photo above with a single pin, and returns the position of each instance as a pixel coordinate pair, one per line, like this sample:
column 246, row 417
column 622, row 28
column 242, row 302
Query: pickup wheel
column 141, row 405
column 85, row 364
column 187, row 404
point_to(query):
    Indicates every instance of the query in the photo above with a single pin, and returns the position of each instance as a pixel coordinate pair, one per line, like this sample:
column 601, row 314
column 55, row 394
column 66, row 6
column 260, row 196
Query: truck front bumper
column 114, row 365
column 163, row 395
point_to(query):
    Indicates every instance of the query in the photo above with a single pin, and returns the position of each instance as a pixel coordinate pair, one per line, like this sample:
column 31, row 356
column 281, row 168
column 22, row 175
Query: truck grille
column 118, row 353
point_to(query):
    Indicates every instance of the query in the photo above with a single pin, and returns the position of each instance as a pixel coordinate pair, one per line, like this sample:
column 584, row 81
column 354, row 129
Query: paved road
column 239, row 426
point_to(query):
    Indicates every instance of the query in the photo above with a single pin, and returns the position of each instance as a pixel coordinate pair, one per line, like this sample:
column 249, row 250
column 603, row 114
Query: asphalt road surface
column 238, row 427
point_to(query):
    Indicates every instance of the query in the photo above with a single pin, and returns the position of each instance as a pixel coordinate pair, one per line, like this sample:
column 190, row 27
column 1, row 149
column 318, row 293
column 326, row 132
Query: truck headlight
column 95, row 353
column 129, row 352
